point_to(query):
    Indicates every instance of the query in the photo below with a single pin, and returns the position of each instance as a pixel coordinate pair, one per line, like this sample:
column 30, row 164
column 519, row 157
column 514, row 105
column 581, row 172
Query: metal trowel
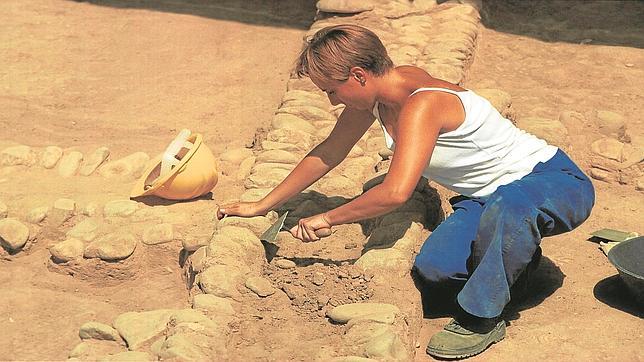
column 268, row 237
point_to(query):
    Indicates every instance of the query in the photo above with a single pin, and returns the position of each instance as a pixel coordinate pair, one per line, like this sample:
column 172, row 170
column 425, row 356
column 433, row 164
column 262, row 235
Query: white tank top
column 483, row 153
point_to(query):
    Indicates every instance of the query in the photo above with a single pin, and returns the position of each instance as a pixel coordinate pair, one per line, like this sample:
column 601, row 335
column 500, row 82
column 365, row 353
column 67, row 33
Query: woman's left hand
column 311, row 228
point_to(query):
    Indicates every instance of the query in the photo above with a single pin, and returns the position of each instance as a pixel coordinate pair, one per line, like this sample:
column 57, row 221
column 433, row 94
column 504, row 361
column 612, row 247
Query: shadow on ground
column 297, row 14
column 613, row 292
column 617, row 23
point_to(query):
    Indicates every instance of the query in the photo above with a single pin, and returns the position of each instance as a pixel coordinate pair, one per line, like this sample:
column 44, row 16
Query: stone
column 137, row 328
column 344, row 6
column 66, row 250
column 192, row 316
column 363, row 331
column 245, row 167
column 121, row 208
column 179, row 347
column 305, row 95
column 302, row 84
column 111, row 247
column 345, row 313
column 278, row 156
column 609, row 148
column 268, row 166
column 338, row 185
column 244, row 237
column 308, row 113
column 18, row 155
column 355, row 168
column 195, row 240
column 13, row 234
column 573, row 120
column 91, row 209
column 284, row 264
column 387, row 346
column 198, row 259
column 86, row 230
column 253, row 195
column 131, row 166
column 50, row 156
column 224, row 251
column 302, row 140
column 4, row 211
column 318, row 278
column 236, row 156
column 69, row 164
column 552, row 131
column 79, row 350
column 96, row 330
column 256, row 224
column 292, row 122
column 611, row 124
column 94, row 160
column 63, row 210
column 393, row 261
column 221, row 281
column 445, row 71
column 602, row 175
column 213, row 303
column 127, row 356
column 291, row 147
column 37, row 215
column 158, row 234
column 260, row 286
column 266, row 179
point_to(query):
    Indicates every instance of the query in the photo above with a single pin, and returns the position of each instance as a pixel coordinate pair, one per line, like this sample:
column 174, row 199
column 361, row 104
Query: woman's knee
column 438, row 270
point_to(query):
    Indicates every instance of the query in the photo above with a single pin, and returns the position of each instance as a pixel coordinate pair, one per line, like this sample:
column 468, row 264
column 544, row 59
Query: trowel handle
column 323, row 233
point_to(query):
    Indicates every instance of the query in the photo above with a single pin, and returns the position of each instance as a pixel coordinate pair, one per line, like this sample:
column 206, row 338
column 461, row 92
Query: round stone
column 13, row 234
column 114, row 246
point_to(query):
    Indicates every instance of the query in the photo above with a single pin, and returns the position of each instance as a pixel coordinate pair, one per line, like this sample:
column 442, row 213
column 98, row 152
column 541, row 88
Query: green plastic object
column 614, row 235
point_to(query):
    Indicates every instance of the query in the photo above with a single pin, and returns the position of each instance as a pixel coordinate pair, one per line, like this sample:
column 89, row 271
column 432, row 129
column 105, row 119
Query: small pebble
column 285, row 263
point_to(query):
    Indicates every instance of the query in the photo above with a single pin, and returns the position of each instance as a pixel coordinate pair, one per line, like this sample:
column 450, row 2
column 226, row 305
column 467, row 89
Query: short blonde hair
column 334, row 50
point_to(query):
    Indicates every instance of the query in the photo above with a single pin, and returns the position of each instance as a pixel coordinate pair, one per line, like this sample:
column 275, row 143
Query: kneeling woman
column 515, row 187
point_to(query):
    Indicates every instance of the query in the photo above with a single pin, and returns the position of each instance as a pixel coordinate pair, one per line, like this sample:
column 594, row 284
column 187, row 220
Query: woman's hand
column 244, row 209
column 311, row 228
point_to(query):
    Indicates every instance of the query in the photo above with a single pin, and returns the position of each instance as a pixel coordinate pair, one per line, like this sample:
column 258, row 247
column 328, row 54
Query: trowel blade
column 268, row 237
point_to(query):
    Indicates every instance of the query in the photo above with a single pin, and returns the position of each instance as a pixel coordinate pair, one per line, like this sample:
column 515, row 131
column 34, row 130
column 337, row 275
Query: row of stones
column 199, row 333
column 617, row 155
column 74, row 162
column 92, row 234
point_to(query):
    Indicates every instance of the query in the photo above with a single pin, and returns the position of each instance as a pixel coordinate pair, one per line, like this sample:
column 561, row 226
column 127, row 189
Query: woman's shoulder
column 418, row 78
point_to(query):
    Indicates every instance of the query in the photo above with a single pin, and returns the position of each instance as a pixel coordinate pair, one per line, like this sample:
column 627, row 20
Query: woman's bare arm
column 351, row 125
column 419, row 125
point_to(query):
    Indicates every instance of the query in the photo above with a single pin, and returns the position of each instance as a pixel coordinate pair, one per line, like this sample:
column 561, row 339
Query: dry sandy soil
column 129, row 74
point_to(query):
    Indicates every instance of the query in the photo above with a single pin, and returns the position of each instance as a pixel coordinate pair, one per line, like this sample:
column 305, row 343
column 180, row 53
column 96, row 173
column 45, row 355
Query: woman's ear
column 359, row 74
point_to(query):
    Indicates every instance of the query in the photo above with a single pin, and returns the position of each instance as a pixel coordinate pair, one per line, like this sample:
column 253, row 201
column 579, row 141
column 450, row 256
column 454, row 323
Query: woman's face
column 349, row 92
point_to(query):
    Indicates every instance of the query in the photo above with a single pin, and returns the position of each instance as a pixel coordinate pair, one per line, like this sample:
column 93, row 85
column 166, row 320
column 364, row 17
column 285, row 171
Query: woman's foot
column 467, row 337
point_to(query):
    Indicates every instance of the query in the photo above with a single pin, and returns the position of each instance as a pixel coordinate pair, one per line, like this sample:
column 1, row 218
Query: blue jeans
column 487, row 242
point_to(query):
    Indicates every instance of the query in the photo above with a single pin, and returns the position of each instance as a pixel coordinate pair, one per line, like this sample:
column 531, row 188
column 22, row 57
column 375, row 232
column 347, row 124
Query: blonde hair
column 334, row 50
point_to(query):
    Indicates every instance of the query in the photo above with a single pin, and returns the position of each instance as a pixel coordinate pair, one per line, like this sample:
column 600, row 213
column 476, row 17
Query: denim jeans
column 488, row 241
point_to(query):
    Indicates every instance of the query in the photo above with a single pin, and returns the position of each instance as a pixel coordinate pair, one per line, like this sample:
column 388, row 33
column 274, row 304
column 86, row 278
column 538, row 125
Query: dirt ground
column 129, row 74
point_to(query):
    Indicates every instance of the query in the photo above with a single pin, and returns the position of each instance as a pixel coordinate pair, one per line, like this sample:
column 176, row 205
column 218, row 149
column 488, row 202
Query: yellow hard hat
column 187, row 169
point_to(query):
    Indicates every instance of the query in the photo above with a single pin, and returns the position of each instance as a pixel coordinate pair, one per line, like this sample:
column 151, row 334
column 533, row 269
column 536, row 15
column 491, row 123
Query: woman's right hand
column 244, row 209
